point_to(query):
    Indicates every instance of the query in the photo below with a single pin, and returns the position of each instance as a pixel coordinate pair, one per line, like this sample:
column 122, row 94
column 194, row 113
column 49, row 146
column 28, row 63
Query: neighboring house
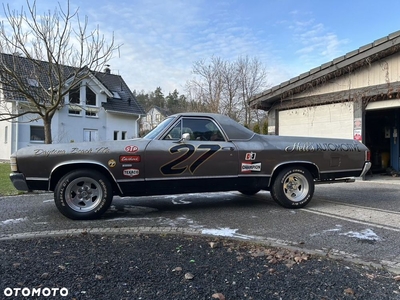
column 101, row 107
column 354, row 96
column 154, row 116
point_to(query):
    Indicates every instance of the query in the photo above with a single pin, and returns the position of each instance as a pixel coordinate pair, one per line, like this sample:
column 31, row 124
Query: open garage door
column 382, row 138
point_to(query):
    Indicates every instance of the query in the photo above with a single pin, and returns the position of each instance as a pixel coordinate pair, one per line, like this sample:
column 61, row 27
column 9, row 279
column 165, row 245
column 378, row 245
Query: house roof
column 31, row 74
column 123, row 100
column 120, row 99
column 163, row 111
column 340, row 66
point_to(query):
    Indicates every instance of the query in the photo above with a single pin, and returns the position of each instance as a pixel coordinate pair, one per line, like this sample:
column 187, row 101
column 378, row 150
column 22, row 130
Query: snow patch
column 227, row 232
column 366, row 234
column 13, row 221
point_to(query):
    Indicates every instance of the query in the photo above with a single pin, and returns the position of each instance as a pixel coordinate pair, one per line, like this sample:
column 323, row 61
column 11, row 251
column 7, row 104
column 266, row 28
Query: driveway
column 358, row 221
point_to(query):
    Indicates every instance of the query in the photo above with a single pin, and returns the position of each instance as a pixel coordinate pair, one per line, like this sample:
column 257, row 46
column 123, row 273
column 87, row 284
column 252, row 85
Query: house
column 354, row 96
column 99, row 107
column 154, row 116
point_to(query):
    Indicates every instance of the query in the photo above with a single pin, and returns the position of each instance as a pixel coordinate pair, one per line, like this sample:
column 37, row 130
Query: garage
column 355, row 96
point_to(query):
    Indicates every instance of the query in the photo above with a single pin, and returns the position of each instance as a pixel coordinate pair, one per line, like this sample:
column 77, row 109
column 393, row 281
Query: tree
column 265, row 126
column 252, row 78
column 207, row 87
column 176, row 103
column 158, row 98
column 256, row 128
column 226, row 87
column 43, row 57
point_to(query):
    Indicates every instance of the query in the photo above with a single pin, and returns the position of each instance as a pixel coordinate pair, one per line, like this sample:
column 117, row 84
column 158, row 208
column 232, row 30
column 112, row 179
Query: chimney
column 107, row 69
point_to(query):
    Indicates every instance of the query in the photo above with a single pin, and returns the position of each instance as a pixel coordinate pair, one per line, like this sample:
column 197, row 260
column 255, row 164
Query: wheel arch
column 62, row 169
column 311, row 167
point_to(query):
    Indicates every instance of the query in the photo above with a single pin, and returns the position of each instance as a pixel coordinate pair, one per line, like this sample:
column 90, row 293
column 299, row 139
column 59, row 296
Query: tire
column 83, row 195
column 249, row 192
column 293, row 187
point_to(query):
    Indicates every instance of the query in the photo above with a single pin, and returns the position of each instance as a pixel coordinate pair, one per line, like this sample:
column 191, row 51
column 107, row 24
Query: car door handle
column 228, row 148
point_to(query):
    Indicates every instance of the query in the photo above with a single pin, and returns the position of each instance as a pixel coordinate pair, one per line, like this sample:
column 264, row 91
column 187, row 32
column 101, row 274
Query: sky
column 162, row 39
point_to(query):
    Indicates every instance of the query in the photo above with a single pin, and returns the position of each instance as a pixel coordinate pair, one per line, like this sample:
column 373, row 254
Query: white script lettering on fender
column 315, row 147
column 75, row 150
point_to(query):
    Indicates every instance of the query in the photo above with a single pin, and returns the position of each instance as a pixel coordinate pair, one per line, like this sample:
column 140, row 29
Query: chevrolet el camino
column 186, row 153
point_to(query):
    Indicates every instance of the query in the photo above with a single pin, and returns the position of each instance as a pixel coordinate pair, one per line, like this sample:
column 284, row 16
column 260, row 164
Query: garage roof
column 353, row 60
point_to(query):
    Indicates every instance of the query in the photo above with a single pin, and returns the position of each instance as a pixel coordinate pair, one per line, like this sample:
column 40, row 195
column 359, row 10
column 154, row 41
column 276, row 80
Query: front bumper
column 19, row 181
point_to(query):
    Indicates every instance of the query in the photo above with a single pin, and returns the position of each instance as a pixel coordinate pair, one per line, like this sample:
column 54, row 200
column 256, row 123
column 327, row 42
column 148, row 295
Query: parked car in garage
column 186, row 153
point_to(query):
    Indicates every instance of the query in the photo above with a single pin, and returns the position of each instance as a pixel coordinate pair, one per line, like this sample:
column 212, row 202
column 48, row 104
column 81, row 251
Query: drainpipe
column 138, row 125
column 15, row 132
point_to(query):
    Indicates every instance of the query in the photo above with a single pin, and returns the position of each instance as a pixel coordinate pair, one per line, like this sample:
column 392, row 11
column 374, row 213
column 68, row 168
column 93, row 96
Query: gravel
column 154, row 266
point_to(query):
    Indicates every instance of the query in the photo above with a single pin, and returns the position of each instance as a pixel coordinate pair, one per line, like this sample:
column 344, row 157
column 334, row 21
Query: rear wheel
column 293, row 187
column 83, row 194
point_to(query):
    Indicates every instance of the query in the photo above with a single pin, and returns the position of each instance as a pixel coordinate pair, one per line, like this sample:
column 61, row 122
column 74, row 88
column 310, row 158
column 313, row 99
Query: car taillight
column 368, row 155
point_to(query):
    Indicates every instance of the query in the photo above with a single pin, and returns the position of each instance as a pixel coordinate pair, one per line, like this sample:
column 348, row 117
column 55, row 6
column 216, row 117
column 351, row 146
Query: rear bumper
column 19, row 181
column 367, row 166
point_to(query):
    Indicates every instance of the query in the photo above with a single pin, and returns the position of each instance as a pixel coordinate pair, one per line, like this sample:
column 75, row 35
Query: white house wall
column 331, row 120
column 121, row 122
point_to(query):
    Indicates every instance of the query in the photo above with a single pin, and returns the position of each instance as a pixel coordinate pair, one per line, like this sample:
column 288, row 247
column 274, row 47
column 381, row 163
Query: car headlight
column 13, row 164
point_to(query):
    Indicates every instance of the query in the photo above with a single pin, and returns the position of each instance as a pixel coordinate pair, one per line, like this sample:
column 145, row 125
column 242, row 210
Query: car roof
column 233, row 129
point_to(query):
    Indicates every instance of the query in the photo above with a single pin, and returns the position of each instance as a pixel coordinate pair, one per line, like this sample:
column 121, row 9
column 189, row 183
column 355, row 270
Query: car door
column 203, row 161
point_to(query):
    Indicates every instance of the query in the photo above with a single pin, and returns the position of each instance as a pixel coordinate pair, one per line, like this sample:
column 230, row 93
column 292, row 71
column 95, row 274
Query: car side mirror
column 185, row 137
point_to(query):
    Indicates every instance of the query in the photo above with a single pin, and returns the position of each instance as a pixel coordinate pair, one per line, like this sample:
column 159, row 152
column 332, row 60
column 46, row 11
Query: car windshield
column 156, row 131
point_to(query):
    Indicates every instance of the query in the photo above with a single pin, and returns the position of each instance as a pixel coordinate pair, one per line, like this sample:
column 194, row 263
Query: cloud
column 163, row 39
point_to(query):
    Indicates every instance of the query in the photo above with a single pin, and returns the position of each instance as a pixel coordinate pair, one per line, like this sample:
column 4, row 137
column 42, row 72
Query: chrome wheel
column 296, row 187
column 293, row 187
column 83, row 194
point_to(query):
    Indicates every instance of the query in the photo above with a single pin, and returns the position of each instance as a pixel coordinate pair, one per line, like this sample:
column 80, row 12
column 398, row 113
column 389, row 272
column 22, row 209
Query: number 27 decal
column 171, row 167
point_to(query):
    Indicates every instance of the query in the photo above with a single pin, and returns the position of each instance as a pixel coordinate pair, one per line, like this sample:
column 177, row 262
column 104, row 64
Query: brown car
column 186, row 153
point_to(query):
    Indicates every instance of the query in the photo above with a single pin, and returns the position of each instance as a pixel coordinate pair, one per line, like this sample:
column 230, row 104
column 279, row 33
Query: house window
column 123, row 135
column 74, row 95
column 37, row 133
column 90, row 135
column 74, row 111
column 90, row 97
column 6, row 135
column 91, row 112
column 115, row 135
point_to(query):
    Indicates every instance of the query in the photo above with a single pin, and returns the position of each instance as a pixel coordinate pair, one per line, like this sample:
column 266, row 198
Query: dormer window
column 33, row 82
column 116, row 95
column 90, row 97
column 74, row 95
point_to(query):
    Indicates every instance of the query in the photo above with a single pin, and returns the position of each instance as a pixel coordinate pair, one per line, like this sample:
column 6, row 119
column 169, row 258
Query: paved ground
column 176, row 263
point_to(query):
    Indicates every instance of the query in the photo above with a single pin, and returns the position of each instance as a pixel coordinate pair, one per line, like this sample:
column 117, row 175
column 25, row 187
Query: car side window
column 203, row 130
column 198, row 129
column 175, row 133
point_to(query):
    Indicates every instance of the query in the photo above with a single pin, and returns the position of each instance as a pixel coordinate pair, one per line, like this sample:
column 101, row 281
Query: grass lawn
column 6, row 187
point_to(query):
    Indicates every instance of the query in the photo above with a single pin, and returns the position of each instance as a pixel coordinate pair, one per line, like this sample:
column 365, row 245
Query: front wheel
column 293, row 187
column 83, row 194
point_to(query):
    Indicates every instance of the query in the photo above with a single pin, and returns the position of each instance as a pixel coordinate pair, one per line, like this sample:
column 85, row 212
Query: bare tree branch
column 39, row 52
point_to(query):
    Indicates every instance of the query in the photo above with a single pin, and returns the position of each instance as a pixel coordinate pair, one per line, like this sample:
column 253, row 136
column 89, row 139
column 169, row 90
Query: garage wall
column 331, row 120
